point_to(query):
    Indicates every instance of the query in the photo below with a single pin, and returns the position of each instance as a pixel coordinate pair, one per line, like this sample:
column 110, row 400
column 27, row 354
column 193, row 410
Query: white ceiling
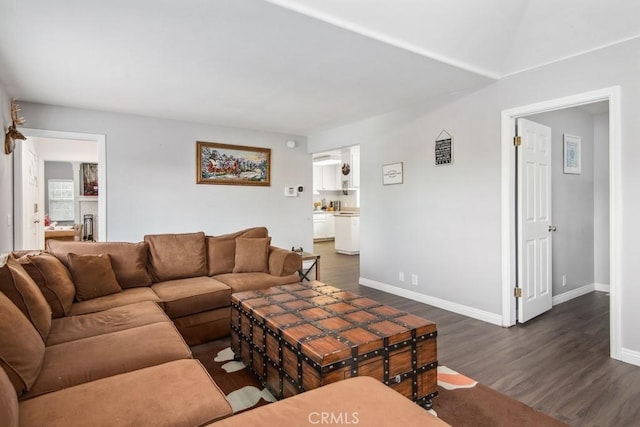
column 265, row 65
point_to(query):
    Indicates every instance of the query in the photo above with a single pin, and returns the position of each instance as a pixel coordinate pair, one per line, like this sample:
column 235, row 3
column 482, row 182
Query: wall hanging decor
column 392, row 173
column 444, row 149
column 12, row 132
column 572, row 154
column 89, row 179
column 232, row 164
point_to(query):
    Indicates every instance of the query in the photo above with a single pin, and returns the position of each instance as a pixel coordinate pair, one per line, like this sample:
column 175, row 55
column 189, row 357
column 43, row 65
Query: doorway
column 29, row 199
column 336, row 198
column 509, row 219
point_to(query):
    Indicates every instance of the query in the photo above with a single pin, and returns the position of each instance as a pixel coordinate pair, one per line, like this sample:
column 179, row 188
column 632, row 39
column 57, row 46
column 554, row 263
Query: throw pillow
column 93, row 276
column 221, row 252
column 252, row 255
column 53, row 279
column 21, row 347
column 20, row 288
column 128, row 260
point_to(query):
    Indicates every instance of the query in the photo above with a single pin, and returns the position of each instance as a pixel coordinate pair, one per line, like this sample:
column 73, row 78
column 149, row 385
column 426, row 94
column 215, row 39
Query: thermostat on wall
column 290, row 191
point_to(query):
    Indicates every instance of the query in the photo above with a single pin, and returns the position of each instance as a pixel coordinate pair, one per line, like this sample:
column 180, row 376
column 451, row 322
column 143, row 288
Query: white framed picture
column 392, row 173
column 572, row 154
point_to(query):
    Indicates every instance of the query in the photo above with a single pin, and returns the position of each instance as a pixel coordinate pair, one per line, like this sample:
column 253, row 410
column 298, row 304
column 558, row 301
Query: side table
column 304, row 272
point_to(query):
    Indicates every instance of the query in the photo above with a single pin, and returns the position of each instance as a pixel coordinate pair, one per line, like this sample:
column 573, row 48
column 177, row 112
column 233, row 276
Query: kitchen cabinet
column 317, row 178
column 355, row 167
column 347, row 237
column 326, row 178
column 323, row 225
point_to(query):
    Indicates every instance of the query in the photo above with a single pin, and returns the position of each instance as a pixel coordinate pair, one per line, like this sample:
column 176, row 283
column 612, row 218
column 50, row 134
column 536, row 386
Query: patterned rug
column 461, row 401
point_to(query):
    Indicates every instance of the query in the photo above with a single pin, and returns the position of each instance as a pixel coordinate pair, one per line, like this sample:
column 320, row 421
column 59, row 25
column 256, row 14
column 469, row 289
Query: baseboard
column 601, row 287
column 464, row 310
column 574, row 293
column 630, row 356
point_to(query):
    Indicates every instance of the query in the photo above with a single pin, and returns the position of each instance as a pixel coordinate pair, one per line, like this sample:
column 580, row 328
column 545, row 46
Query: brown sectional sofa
column 99, row 333
column 190, row 275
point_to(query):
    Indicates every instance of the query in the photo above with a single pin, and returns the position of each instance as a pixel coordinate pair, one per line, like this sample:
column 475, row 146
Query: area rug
column 461, row 401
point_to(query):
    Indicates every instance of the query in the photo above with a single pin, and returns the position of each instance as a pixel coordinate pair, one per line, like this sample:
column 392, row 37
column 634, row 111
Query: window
column 61, row 204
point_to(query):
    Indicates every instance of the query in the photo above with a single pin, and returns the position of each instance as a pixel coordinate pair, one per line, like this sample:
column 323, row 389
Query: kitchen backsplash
column 350, row 200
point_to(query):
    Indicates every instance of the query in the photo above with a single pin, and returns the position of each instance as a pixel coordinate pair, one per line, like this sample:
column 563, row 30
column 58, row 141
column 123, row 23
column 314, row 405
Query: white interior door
column 534, row 219
column 29, row 231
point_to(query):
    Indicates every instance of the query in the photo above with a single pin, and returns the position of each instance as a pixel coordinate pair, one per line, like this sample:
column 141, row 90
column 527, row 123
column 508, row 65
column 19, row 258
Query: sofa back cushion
column 128, row 260
column 20, row 288
column 221, row 250
column 252, row 255
column 21, row 347
column 177, row 256
column 93, row 276
column 53, row 279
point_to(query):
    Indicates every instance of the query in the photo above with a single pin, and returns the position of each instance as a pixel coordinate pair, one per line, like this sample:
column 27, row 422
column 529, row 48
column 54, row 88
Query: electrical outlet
column 414, row 279
column 564, row 280
column 401, row 276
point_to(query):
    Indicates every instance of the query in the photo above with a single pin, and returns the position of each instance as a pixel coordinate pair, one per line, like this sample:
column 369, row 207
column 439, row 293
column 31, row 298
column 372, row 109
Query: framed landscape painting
column 232, row 164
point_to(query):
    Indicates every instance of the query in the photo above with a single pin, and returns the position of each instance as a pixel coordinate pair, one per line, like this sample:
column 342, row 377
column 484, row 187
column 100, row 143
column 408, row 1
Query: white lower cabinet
column 347, row 239
column 323, row 225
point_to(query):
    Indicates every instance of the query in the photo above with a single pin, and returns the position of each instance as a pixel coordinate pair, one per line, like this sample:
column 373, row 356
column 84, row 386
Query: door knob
column 552, row 228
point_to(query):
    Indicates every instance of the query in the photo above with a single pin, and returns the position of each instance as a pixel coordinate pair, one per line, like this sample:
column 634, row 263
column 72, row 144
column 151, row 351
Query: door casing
column 508, row 201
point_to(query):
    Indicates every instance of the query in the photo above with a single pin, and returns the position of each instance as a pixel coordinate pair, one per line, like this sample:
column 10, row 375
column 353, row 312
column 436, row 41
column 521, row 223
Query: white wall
column 444, row 223
column 6, row 178
column 601, row 199
column 572, row 200
column 151, row 178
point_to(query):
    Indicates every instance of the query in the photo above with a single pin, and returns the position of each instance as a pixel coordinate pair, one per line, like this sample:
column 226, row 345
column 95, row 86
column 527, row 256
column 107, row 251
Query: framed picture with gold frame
column 225, row 164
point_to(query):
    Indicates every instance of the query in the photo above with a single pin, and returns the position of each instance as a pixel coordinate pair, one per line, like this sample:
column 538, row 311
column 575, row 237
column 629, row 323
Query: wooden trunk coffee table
column 302, row 336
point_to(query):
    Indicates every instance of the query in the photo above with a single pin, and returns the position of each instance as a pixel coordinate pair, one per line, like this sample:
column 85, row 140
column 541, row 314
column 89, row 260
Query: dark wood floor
column 558, row 363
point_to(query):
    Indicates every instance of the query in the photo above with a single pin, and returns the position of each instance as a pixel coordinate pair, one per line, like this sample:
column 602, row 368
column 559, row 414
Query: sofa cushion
column 21, row 347
column 127, row 296
column 93, row 276
column 177, row 256
column 115, row 319
column 8, row 402
column 88, row 359
column 178, row 393
column 193, row 295
column 206, row 326
column 239, row 282
column 53, row 279
column 221, row 250
column 129, row 260
column 252, row 255
column 354, row 401
column 20, row 288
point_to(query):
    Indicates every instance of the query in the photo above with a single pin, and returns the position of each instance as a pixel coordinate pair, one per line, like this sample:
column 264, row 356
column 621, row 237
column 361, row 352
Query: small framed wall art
column 392, row 173
column 232, row 164
column 572, row 148
column 89, row 179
